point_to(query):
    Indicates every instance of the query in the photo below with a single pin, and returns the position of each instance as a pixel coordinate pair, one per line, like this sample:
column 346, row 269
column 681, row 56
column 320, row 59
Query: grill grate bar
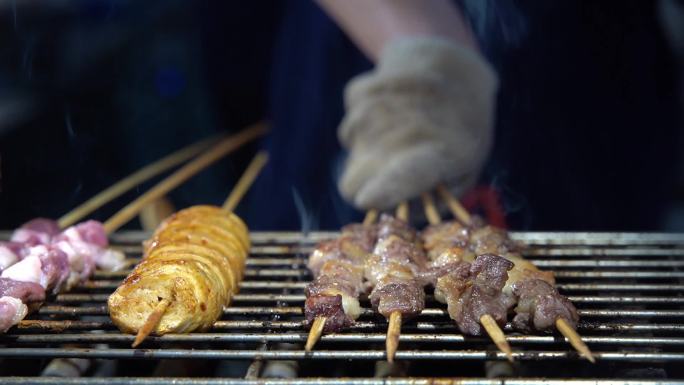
column 301, row 337
column 325, row 354
column 296, row 265
column 63, row 325
column 299, row 298
column 254, row 310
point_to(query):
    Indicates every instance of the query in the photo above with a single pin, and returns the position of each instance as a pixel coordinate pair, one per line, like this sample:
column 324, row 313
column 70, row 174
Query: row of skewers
column 475, row 269
column 194, row 263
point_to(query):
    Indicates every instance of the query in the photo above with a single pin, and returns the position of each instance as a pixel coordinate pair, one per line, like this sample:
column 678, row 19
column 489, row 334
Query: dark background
column 588, row 127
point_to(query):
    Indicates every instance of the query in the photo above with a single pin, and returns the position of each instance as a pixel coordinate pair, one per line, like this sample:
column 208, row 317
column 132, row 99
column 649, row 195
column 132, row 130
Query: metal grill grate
column 627, row 287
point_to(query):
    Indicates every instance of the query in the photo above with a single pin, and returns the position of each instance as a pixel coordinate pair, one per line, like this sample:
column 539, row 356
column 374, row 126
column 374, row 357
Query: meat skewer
column 471, row 288
column 539, row 305
column 192, row 267
column 41, row 260
column 338, row 267
column 392, row 270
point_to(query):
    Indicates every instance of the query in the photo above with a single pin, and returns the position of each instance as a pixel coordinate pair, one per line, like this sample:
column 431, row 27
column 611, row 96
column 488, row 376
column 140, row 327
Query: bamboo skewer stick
column 430, row 210
column 394, row 327
column 152, row 321
column 455, row 206
column 563, row 327
column 393, row 333
column 575, row 339
column 246, row 180
column 138, row 177
column 220, row 150
column 402, row 211
column 371, row 216
column 315, row 333
column 497, row 335
column 488, row 323
column 319, row 323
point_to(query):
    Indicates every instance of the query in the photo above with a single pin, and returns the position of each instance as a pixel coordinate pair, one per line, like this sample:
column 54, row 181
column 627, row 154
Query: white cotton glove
column 422, row 116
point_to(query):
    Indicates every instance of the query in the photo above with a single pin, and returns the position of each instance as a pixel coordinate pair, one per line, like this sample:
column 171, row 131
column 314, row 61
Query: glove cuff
column 416, row 55
column 414, row 62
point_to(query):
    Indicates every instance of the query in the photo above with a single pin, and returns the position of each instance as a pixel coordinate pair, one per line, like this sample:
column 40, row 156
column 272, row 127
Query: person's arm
column 373, row 24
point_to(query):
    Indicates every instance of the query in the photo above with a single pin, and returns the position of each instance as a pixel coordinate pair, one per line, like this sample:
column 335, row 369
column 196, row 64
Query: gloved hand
column 422, row 116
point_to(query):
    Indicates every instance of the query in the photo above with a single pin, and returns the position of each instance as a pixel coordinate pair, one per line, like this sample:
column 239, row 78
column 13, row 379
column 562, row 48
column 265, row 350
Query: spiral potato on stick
column 191, row 269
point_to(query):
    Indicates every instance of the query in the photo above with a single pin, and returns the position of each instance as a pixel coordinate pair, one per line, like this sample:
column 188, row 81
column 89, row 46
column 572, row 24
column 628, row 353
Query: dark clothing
column 586, row 121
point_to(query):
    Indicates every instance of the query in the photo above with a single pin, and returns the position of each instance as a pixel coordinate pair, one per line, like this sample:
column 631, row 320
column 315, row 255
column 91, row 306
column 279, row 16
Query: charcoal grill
column 627, row 286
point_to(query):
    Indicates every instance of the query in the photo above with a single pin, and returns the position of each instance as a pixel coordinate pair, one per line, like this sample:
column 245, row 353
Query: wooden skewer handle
column 403, row 211
column 497, row 335
column 454, row 205
column 176, row 179
column 133, row 180
column 315, row 333
column 575, row 339
column 246, row 181
column 430, row 210
column 371, row 216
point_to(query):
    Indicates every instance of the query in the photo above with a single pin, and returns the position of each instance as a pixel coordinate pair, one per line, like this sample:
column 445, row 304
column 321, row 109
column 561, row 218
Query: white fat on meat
column 110, row 260
column 79, row 253
column 30, row 236
column 523, row 269
column 350, row 305
column 78, row 249
column 7, row 257
column 26, row 270
column 12, row 311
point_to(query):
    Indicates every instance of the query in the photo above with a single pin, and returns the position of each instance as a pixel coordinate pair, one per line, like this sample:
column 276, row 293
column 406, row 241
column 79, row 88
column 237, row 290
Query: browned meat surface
column 337, row 277
column 330, row 307
column 449, row 260
column 437, row 238
column 404, row 296
column 539, row 305
column 489, row 239
column 364, row 235
column 469, row 297
column 338, row 268
column 353, row 245
column 393, row 269
column 389, row 225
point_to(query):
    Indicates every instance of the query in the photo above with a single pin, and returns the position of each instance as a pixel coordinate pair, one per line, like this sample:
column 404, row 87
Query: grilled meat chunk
column 394, row 268
column 337, row 266
column 540, row 305
column 477, row 292
column 437, row 238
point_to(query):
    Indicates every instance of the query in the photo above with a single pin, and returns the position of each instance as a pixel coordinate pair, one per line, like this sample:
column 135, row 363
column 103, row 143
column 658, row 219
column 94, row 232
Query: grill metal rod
column 324, row 354
column 247, row 310
column 301, row 337
column 299, row 298
column 361, row 325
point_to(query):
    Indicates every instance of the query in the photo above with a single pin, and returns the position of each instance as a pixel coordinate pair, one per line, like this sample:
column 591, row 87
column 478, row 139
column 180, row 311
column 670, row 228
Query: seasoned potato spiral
column 195, row 261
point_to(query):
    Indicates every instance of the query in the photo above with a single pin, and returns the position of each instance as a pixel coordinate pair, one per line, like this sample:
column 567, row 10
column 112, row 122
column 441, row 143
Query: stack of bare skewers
column 477, row 270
